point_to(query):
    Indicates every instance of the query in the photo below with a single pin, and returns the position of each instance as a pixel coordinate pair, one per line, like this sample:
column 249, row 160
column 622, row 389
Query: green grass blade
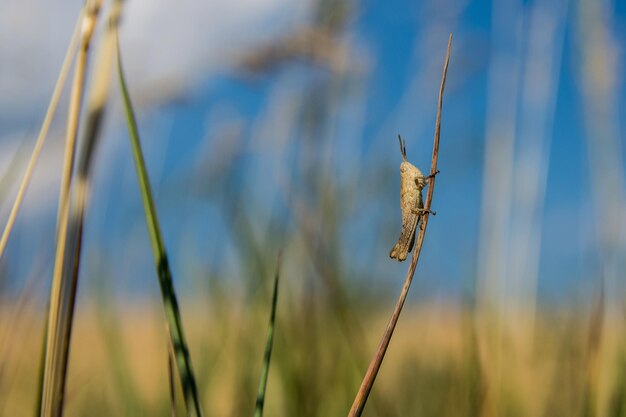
column 170, row 303
column 267, row 356
column 171, row 357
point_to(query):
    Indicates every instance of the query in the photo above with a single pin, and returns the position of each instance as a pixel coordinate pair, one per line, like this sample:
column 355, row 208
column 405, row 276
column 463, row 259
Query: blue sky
column 395, row 53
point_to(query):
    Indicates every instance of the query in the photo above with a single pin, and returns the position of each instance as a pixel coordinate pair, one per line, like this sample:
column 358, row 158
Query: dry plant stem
column 372, row 371
column 69, row 230
column 52, row 383
column 43, row 133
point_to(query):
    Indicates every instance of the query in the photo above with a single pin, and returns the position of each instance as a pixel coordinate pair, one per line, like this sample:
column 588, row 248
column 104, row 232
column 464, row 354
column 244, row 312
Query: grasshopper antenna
column 402, row 147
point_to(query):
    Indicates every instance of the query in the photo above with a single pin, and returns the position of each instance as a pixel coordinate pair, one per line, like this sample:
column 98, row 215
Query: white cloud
column 179, row 42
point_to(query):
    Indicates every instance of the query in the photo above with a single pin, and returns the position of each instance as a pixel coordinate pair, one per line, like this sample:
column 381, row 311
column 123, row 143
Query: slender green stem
column 267, row 356
column 170, row 371
column 170, row 303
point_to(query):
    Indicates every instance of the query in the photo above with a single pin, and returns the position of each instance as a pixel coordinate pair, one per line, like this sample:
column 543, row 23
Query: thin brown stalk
column 372, row 371
column 43, row 133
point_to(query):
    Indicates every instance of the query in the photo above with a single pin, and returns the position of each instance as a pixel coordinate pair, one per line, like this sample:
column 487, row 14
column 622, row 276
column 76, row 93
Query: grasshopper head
column 408, row 170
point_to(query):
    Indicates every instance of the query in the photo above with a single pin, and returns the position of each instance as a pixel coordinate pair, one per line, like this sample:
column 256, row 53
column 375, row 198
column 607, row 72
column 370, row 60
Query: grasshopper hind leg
column 406, row 240
column 412, row 241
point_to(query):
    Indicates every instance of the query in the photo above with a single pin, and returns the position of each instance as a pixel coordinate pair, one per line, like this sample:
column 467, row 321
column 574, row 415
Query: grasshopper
column 412, row 182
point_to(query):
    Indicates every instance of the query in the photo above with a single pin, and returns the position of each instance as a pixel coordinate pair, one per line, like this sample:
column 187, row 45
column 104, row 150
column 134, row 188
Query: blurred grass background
column 517, row 307
column 436, row 365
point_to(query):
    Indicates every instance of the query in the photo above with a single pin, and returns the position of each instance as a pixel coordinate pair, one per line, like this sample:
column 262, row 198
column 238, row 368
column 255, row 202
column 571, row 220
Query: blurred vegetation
column 465, row 356
column 435, row 367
